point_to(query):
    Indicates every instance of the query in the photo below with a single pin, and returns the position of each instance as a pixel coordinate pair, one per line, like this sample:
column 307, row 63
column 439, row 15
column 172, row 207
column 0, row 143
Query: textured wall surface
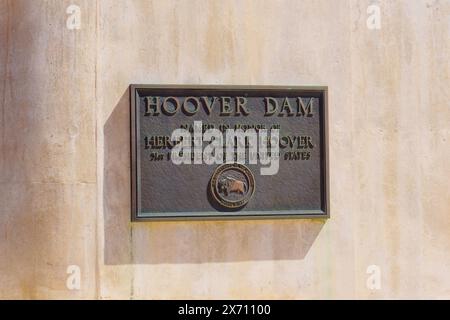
column 64, row 162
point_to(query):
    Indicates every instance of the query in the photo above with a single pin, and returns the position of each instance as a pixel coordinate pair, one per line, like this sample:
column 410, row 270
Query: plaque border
column 137, row 215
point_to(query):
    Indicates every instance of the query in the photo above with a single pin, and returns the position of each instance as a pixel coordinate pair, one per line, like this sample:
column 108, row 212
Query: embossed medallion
column 232, row 185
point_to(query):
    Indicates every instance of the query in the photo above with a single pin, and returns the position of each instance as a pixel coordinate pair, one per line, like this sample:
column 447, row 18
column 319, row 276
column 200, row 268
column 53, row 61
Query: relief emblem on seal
column 232, row 185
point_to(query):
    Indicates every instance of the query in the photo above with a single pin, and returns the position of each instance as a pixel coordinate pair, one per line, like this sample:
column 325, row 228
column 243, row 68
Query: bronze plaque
column 228, row 152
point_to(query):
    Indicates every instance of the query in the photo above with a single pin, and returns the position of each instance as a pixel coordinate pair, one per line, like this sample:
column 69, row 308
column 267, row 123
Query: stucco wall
column 64, row 164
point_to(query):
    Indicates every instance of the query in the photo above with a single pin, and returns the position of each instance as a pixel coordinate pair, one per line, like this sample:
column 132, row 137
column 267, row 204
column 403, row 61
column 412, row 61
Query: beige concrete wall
column 64, row 175
column 48, row 150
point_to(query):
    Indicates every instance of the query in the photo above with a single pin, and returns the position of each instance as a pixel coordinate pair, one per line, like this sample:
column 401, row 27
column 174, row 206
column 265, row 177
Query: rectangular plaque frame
column 137, row 215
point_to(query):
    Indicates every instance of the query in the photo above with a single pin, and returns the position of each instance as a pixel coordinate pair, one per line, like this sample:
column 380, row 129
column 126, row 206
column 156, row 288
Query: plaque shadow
column 184, row 241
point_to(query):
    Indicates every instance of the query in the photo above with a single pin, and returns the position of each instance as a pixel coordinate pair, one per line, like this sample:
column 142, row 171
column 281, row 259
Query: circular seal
column 232, row 185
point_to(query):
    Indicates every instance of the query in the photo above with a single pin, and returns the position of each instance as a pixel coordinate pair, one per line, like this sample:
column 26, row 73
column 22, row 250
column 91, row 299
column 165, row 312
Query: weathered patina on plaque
column 162, row 189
